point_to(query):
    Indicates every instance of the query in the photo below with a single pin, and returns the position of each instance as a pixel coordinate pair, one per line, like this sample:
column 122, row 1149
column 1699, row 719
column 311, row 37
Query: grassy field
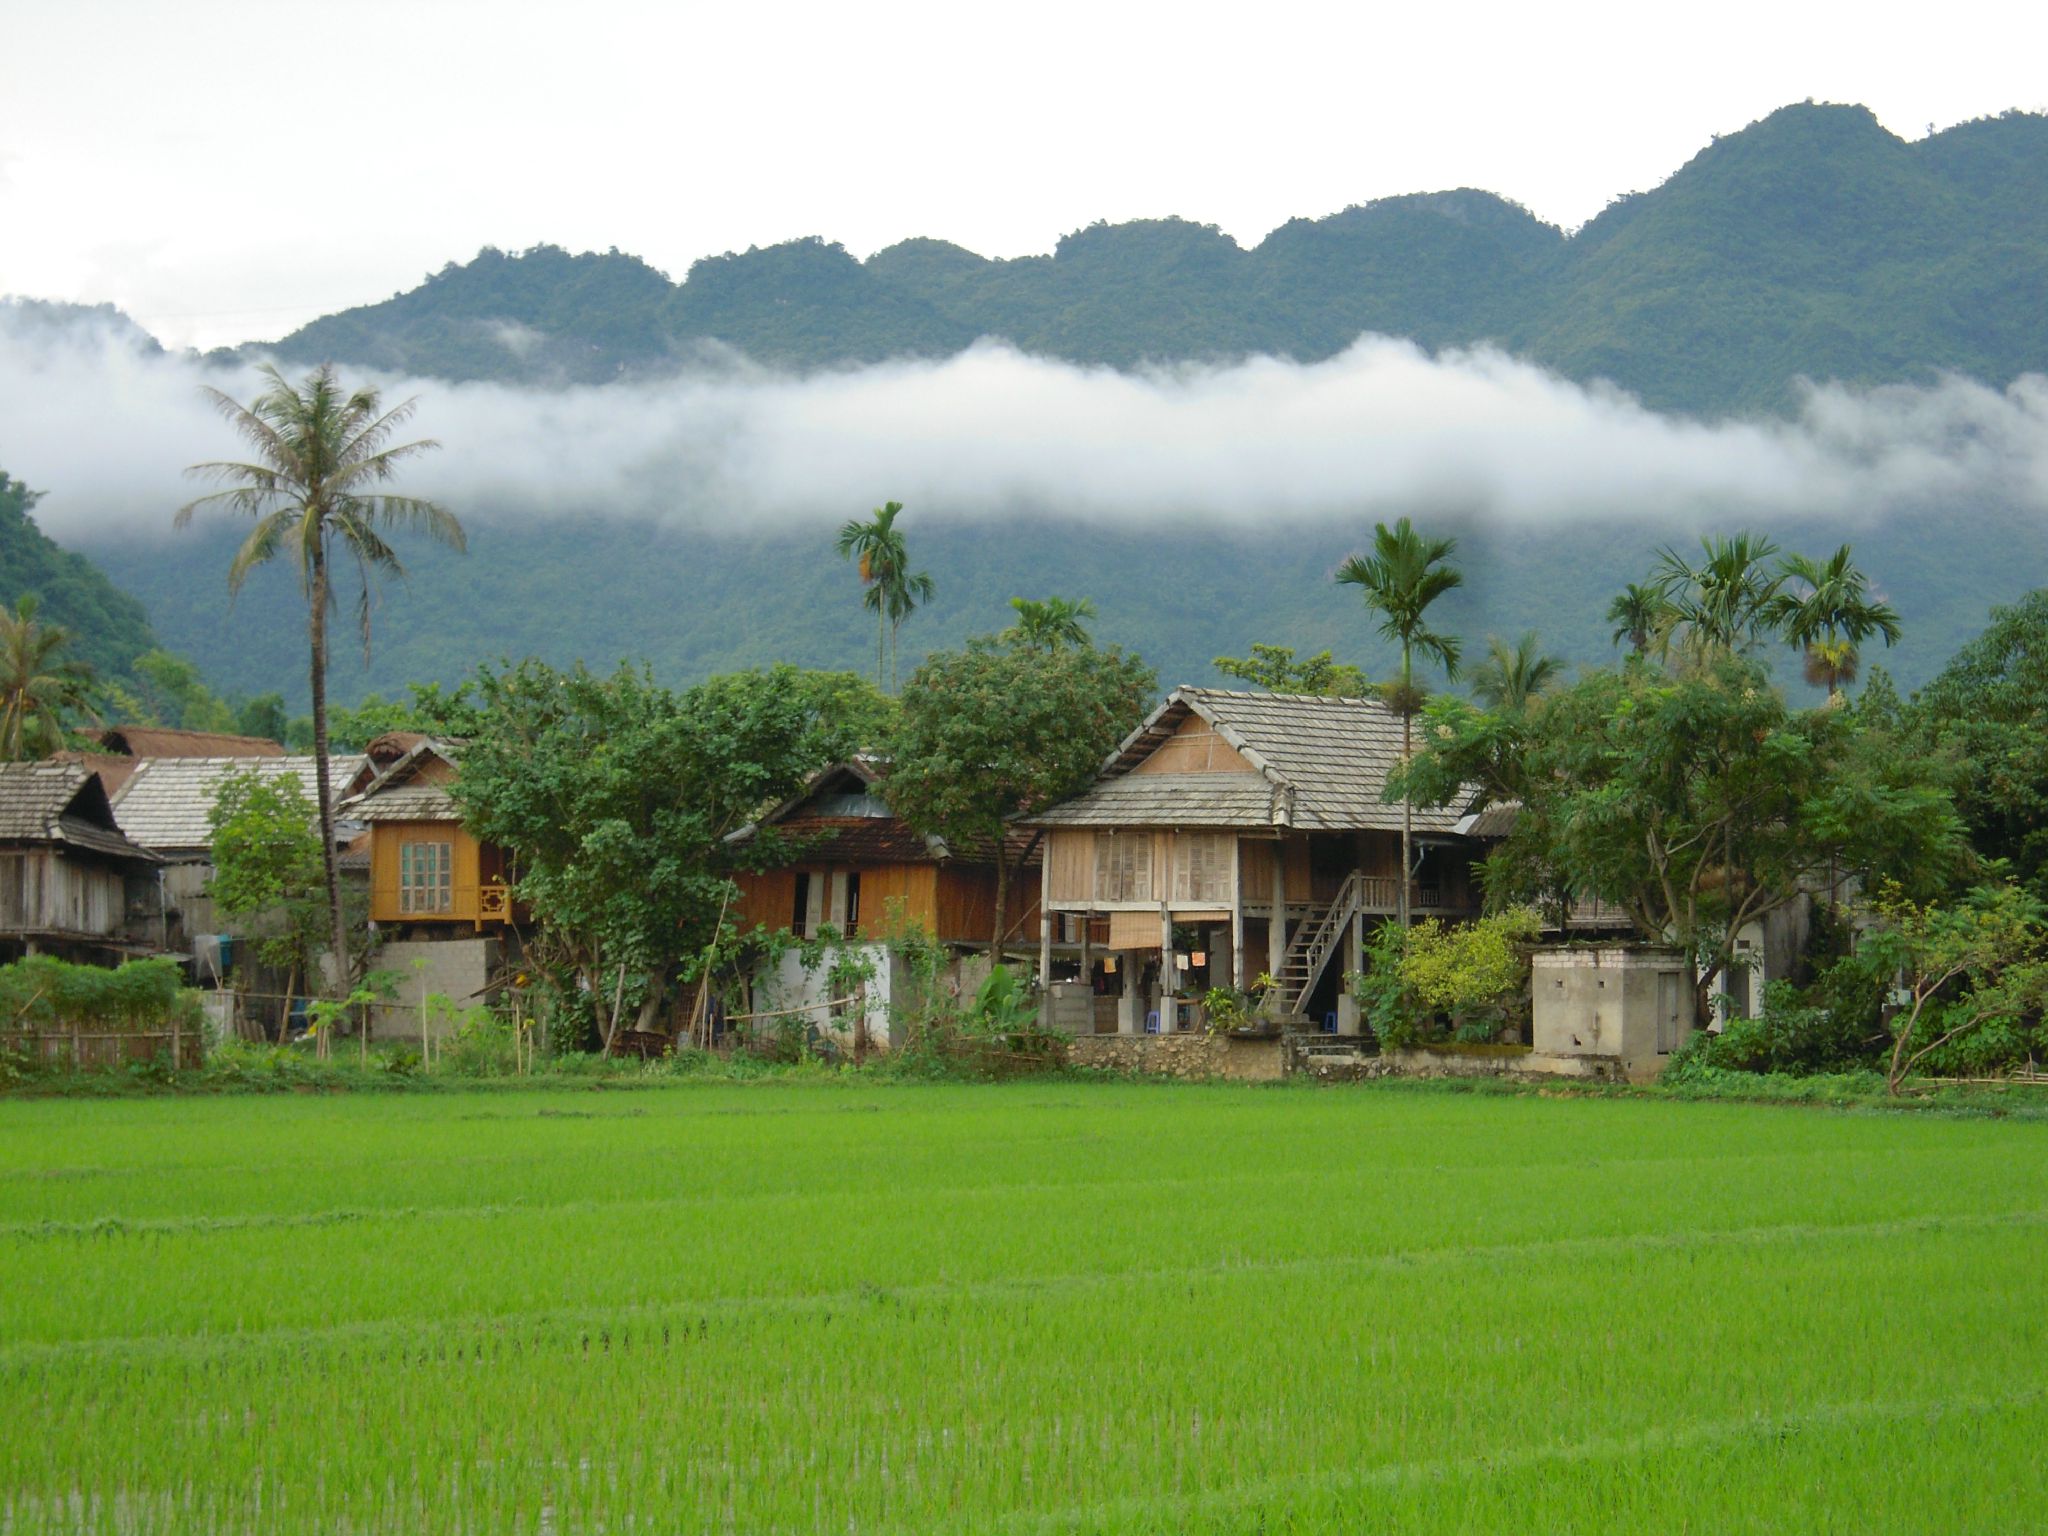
column 1036, row 1307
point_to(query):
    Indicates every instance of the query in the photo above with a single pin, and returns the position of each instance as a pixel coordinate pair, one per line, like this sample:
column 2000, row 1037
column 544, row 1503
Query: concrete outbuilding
column 1614, row 1010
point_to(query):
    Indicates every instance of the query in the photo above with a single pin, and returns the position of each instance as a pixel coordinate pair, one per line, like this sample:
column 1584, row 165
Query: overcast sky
column 226, row 171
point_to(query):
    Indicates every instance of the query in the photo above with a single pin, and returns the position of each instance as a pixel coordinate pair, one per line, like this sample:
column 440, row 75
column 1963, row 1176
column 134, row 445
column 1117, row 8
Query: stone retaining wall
column 1182, row 1056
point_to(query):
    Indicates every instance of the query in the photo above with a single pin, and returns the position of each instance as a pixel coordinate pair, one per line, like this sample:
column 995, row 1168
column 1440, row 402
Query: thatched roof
column 162, row 741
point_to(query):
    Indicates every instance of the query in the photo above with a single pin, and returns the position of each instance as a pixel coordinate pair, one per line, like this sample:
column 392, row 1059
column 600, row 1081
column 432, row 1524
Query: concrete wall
column 456, row 968
column 788, row 985
column 1625, row 1004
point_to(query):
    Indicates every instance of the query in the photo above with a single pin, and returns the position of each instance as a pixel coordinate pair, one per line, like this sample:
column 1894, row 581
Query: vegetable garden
column 1047, row 1305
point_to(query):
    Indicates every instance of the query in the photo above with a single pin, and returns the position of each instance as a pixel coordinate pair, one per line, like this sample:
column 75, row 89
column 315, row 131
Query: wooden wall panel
column 896, row 897
column 465, row 870
column 1195, row 748
column 1070, row 857
column 1255, row 868
column 767, row 899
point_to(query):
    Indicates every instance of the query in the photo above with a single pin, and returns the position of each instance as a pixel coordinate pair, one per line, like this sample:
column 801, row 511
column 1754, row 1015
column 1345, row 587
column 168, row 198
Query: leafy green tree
column 1825, row 610
column 1001, row 728
column 1403, row 576
column 171, row 692
column 890, row 589
column 1053, row 623
column 315, row 489
column 1273, row 668
column 1698, row 803
column 1513, row 675
column 263, row 716
column 267, row 869
column 38, row 684
column 616, row 796
column 1988, row 710
column 1967, row 968
column 430, row 710
column 1726, row 601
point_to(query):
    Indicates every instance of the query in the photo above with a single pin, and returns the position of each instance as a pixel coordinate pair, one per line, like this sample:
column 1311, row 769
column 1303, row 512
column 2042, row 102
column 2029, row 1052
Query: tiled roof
column 856, row 839
column 60, row 803
column 1320, row 765
column 161, row 741
column 168, row 801
column 1494, row 821
column 396, row 794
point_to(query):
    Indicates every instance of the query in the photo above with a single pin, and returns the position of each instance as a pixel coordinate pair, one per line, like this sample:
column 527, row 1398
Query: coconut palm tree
column 1512, row 675
column 1052, row 624
column 320, row 457
column 1827, row 612
column 1639, row 615
column 37, row 685
column 1399, row 580
column 1727, row 601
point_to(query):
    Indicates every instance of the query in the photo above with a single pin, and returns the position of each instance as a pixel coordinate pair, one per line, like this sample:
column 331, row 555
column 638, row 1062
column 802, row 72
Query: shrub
column 45, row 993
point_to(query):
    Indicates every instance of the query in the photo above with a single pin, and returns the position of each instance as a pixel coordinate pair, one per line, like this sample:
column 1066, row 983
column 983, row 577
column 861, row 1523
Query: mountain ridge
column 1813, row 243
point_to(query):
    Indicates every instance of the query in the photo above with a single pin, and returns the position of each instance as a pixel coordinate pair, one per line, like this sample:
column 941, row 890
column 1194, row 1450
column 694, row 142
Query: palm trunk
column 1407, row 810
column 317, row 628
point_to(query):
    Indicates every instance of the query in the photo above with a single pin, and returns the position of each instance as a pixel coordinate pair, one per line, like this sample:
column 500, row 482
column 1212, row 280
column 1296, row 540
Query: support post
column 1238, row 978
column 1130, row 1003
column 1354, row 959
column 1044, row 965
column 1276, row 927
column 1169, row 975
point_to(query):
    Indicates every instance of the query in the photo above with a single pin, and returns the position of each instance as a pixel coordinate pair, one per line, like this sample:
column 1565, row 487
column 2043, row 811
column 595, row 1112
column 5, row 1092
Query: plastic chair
column 1330, row 1023
column 1152, row 1022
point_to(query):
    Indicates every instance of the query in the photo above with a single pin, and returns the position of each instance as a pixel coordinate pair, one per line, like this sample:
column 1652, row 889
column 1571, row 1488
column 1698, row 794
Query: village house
column 1235, row 834
column 124, row 748
column 165, row 804
column 71, row 884
column 865, row 873
column 438, row 894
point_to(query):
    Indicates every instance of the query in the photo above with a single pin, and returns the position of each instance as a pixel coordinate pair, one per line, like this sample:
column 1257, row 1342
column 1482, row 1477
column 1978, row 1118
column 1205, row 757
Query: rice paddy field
column 1030, row 1307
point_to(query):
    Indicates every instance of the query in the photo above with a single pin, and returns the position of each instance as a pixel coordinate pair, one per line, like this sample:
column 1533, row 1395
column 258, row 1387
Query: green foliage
column 1273, row 668
column 618, row 795
column 1974, row 977
column 1468, row 981
column 108, row 628
column 170, row 691
column 267, row 872
column 264, row 716
column 41, row 687
column 42, row 992
column 1003, row 1004
column 1696, row 801
column 1988, row 710
column 1004, row 726
column 430, row 710
column 1795, row 1035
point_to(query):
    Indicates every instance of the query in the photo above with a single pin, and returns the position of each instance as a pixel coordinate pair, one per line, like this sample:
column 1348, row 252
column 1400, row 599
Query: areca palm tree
column 1639, row 615
column 1052, row 624
column 1726, row 601
column 321, row 456
column 891, row 590
column 1512, row 675
column 1399, row 580
column 37, row 685
column 1828, row 613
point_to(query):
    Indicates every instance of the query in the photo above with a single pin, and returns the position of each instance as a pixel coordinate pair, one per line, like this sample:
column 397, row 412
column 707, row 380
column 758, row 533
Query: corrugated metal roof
column 60, row 803
column 1322, row 765
column 168, row 801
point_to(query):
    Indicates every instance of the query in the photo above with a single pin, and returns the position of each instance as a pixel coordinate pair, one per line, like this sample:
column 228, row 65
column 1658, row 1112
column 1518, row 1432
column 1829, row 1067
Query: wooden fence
column 81, row 1048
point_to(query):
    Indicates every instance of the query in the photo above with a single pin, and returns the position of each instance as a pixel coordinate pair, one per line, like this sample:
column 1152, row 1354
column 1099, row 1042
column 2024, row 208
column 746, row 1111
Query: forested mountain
column 109, row 628
column 1811, row 243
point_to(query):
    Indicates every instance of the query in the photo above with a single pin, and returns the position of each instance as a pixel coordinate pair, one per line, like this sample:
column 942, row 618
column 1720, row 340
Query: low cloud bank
column 107, row 428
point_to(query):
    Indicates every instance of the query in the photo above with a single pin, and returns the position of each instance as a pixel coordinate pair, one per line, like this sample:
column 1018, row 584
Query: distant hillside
column 698, row 601
column 108, row 628
column 1811, row 243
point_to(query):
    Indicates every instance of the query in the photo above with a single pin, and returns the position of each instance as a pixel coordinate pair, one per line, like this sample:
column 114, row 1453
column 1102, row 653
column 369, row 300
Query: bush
column 145, row 996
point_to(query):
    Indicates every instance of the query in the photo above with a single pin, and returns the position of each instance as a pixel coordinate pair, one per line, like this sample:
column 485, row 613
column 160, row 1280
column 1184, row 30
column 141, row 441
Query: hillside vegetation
column 1813, row 243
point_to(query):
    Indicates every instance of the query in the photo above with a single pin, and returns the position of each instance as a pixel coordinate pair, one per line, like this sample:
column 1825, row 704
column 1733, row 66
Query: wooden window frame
column 426, row 878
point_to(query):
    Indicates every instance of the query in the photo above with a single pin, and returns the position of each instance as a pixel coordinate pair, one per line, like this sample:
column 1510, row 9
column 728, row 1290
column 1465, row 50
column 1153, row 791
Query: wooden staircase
column 1319, row 936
